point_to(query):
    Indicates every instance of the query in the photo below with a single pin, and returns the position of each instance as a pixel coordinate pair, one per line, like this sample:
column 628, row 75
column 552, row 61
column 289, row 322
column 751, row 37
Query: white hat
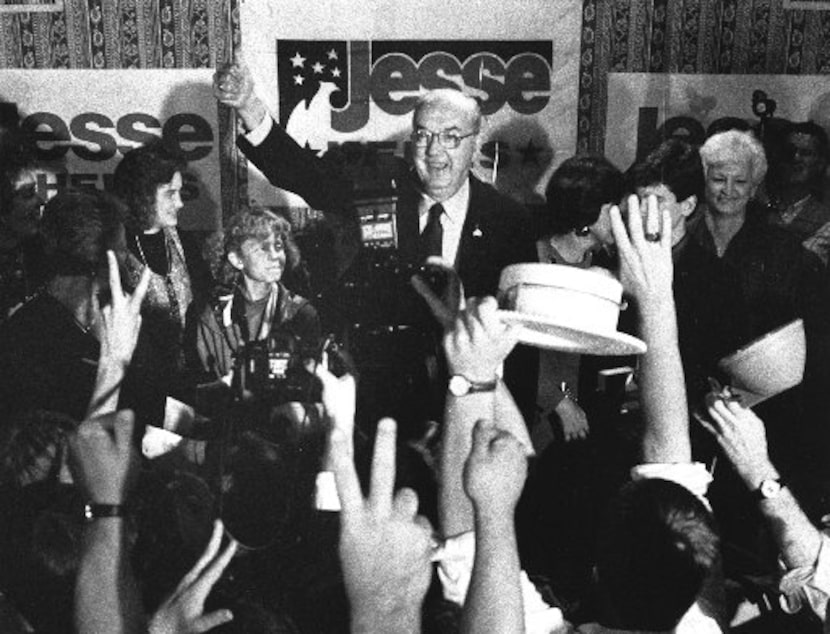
column 768, row 365
column 566, row 308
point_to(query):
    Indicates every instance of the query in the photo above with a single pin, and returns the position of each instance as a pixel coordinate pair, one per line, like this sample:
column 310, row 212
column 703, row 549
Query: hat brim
column 542, row 332
column 749, row 399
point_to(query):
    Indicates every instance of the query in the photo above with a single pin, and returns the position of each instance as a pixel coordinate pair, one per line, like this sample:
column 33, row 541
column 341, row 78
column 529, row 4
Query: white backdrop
column 634, row 97
column 86, row 119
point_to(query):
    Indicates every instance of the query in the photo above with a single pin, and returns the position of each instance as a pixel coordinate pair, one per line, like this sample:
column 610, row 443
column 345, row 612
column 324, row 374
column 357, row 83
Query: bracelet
column 93, row 512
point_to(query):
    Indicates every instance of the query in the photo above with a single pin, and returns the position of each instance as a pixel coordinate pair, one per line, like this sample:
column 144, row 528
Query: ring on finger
column 652, row 237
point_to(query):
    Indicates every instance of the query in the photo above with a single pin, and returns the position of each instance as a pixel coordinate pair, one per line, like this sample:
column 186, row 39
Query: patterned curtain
column 691, row 36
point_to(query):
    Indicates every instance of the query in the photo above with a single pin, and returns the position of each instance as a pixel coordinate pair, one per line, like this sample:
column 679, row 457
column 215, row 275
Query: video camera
column 273, row 370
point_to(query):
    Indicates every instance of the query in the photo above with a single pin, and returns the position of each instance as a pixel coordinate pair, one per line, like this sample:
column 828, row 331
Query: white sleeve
column 258, row 134
column 808, row 584
column 692, row 475
column 455, row 569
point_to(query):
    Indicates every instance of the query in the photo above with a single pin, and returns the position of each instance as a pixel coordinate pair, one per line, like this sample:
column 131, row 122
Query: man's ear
column 235, row 260
column 688, row 206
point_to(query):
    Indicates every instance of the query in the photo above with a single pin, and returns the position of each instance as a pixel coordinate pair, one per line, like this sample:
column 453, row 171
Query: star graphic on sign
column 332, row 54
column 298, row 80
column 530, row 153
column 298, row 60
column 317, row 68
column 335, row 72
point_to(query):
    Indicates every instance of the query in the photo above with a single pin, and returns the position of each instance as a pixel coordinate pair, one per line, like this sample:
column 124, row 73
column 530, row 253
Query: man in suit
column 482, row 231
column 442, row 209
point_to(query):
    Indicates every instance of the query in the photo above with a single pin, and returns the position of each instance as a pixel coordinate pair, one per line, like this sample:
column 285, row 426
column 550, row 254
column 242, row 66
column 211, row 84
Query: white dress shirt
column 452, row 220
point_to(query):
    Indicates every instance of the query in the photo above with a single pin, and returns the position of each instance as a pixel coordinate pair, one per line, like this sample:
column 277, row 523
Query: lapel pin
column 477, row 232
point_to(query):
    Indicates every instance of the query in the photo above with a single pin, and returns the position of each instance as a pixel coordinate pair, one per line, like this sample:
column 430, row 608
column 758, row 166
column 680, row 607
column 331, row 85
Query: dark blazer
column 497, row 230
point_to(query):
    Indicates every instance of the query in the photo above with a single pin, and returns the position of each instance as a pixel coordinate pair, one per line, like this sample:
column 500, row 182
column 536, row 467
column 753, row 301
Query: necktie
column 432, row 237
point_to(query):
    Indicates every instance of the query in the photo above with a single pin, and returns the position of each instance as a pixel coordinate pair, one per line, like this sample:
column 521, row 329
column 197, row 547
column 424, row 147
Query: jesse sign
column 85, row 120
column 331, row 92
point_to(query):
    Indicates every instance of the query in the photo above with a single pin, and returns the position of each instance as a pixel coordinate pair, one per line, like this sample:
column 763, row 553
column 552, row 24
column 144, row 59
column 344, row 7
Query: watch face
column 770, row 488
column 459, row 386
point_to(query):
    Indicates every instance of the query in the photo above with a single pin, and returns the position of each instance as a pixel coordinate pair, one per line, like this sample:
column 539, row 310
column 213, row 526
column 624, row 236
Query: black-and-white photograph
column 414, row 316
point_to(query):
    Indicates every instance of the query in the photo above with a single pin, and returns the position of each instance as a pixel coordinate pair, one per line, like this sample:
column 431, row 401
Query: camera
column 272, row 370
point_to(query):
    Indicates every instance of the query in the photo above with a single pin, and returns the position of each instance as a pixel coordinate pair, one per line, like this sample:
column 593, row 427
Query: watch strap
column 460, row 385
column 97, row 511
column 483, row 386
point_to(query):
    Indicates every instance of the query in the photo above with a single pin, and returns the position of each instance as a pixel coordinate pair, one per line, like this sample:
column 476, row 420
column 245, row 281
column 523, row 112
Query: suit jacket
column 497, row 230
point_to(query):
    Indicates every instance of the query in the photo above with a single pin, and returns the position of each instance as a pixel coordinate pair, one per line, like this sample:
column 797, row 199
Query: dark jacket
column 497, row 230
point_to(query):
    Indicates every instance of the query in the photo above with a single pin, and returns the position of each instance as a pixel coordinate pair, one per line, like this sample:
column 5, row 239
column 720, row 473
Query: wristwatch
column 769, row 489
column 461, row 386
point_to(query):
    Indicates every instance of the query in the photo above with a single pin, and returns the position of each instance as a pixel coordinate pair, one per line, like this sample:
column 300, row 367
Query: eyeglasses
column 422, row 138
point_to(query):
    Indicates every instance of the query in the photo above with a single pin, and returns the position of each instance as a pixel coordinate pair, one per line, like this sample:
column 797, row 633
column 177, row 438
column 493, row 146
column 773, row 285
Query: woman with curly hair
column 258, row 252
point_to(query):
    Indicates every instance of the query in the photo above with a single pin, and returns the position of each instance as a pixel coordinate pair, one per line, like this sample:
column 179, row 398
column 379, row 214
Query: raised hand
column 183, row 612
column 742, row 436
column 233, row 85
column 644, row 247
column 339, row 398
column 479, row 341
column 495, row 471
column 102, row 458
column 574, row 420
column 385, row 546
column 117, row 324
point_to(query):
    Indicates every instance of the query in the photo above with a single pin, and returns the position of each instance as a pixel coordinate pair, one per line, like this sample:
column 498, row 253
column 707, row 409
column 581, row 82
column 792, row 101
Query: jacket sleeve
column 299, row 170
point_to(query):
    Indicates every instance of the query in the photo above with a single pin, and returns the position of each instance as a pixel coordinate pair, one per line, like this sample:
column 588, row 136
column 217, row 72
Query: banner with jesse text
column 347, row 75
column 85, row 120
column 645, row 107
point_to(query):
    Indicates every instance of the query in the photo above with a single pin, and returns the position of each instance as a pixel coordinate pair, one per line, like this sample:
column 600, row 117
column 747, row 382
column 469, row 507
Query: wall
column 131, row 35
column 758, row 37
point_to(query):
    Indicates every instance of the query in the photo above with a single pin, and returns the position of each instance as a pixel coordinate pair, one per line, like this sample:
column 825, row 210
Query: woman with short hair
column 779, row 279
column 258, row 251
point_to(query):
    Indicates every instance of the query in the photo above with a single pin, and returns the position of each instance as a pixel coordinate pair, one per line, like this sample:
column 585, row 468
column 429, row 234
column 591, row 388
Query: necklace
column 144, row 257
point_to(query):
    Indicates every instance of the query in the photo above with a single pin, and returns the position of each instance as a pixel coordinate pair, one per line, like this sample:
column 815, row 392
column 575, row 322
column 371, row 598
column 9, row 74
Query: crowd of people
column 421, row 470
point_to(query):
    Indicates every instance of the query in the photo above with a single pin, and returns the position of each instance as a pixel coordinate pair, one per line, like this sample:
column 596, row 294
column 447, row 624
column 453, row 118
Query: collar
column 229, row 310
column 455, row 207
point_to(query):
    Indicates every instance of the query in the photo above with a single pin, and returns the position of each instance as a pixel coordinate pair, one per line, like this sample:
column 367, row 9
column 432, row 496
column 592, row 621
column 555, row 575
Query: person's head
column 78, row 229
column 808, row 152
column 734, row 164
column 445, row 129
column 20, row 203
column 149, row 180
column 674, row 174
column 577, row 199
column 657, row 545
column 32, row 447
column 258, row 245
